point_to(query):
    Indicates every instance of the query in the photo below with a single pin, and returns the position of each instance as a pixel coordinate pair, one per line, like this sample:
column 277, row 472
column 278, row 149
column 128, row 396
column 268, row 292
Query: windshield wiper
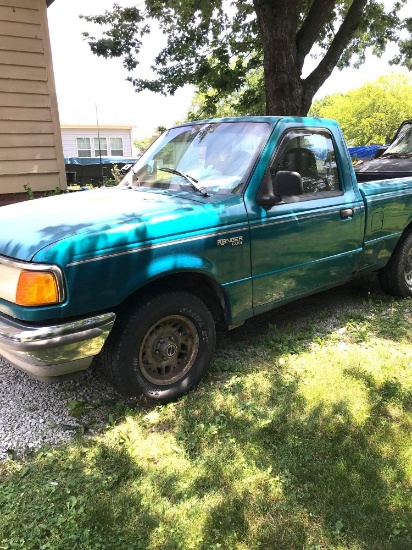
column 192, row 182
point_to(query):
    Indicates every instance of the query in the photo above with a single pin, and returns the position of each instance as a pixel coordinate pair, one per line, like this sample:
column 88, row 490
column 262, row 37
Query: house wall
column 30, row 143
column 69, row 135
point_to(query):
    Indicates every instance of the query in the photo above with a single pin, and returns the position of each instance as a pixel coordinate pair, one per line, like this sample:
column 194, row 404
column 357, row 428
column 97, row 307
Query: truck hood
column 93, row 222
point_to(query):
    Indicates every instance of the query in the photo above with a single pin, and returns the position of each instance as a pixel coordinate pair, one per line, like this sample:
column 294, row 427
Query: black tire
column 396, row 277
column 162, row 348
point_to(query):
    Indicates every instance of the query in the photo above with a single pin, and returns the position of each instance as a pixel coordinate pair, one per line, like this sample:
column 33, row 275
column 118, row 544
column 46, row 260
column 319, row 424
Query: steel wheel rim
column 169, row 349
column 408, row 269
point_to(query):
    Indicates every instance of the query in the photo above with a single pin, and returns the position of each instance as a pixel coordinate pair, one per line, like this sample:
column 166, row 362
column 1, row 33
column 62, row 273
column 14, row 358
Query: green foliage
column 221, row 46
column 116, row 174
column 56, row 191
column 405, row 47
column 144, row 143
column 299, row 438
column 194, row 30
column 30, row 195
column 115, row 177
column 372, row 112
column 29, row 191
column 248, row 100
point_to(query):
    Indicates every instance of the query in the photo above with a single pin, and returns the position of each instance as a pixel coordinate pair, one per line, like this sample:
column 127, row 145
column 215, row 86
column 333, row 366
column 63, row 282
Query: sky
column 86, row 83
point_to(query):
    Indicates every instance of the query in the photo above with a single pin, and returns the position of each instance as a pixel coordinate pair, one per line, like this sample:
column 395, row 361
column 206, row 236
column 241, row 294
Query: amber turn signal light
column 37, row 288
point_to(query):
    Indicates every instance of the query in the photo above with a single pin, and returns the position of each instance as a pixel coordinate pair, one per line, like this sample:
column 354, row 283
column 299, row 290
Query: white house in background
column 91, row 152
column 94, row 142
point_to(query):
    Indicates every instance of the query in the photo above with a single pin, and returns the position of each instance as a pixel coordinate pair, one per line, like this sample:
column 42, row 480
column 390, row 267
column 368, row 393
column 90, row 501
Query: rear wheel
column 162, row 348
column 396, row 277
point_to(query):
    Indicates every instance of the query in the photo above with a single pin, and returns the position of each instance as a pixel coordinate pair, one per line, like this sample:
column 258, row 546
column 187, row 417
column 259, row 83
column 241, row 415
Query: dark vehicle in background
column 393, row 162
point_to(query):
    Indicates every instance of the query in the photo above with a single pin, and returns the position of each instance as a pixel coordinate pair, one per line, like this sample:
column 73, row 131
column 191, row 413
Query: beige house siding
column 30, row 142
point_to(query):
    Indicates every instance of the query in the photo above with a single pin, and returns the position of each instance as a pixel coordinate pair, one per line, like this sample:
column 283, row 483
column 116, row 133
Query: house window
column 84, row 148
column 116, row 147
column 102, row 150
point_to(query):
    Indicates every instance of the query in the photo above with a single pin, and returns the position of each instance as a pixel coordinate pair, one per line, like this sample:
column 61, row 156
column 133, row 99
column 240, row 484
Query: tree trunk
column 285, row 48
column 284, row 88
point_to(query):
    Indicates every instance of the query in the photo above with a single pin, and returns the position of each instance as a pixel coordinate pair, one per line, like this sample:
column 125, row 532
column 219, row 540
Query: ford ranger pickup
column 218, row 221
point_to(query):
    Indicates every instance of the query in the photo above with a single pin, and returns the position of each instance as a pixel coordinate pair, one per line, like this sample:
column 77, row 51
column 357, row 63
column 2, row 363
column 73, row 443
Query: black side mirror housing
column 284, row 183
column 287, row 183
column 265, row 197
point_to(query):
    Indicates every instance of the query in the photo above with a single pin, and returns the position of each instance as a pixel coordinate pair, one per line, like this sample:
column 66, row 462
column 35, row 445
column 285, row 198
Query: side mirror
column 265, row 196
column 285, row 184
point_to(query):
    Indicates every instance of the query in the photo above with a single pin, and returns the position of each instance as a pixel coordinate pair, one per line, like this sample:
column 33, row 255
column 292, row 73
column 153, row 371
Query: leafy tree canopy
column 371, row 113
column 216, row 45
column 405, row 47
column 143, row 143
column 248, row 100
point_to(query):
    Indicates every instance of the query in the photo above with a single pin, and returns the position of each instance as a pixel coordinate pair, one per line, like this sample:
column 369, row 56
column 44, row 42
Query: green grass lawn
column 299, row 438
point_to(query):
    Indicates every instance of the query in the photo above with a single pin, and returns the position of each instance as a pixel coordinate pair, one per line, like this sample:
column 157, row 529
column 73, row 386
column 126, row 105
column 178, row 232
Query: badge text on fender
column 233, row 241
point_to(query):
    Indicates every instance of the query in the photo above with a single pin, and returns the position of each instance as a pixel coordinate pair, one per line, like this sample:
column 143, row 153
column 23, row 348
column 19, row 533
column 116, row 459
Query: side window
column 116, row 146
column 311, row 153
column 100, row 147
column 84, row 147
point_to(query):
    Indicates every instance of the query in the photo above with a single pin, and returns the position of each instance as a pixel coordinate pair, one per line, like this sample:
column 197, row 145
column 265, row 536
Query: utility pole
column 100, row 148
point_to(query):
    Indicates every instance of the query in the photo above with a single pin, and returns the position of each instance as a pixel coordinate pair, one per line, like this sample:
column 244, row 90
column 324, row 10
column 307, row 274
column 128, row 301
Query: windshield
column 211, row 158
column 402, row 146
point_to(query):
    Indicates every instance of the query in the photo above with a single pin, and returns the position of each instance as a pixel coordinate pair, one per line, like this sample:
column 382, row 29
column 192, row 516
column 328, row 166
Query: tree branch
column 344, row 35
column 308, row 34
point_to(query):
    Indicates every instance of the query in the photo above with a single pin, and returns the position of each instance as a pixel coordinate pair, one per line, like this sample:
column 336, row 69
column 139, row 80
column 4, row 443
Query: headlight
column 30, row 284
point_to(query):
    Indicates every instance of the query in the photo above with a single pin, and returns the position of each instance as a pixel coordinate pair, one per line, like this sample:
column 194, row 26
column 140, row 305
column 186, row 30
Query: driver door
column 312, row 238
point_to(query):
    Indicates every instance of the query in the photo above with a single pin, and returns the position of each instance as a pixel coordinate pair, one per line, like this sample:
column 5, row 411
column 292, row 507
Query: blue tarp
column 363, row 151
column 91, row 161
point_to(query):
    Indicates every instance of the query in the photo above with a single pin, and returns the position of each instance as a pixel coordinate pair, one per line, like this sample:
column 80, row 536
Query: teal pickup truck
column 218, row 221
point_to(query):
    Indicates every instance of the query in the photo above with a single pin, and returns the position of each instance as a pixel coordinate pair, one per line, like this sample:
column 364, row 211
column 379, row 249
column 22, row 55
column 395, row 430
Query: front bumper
column 52, row 351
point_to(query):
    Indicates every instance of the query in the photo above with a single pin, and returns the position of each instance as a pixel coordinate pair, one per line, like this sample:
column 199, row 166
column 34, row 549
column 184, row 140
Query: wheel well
column 205, row 288
column 407, row 229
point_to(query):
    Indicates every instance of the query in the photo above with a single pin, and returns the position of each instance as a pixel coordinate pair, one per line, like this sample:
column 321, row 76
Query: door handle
column 346, row 213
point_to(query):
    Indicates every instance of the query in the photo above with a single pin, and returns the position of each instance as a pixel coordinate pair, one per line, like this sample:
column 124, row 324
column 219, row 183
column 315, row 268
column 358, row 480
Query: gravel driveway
column 33, row 413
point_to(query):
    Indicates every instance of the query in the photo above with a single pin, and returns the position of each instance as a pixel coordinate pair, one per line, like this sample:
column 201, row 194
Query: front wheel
column 396, row 277
column 160, row 349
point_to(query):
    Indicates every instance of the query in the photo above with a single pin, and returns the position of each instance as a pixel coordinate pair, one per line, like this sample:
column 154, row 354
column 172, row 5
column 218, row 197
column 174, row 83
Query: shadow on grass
column 239, row 464
column 276, row 475
column 307, row 478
